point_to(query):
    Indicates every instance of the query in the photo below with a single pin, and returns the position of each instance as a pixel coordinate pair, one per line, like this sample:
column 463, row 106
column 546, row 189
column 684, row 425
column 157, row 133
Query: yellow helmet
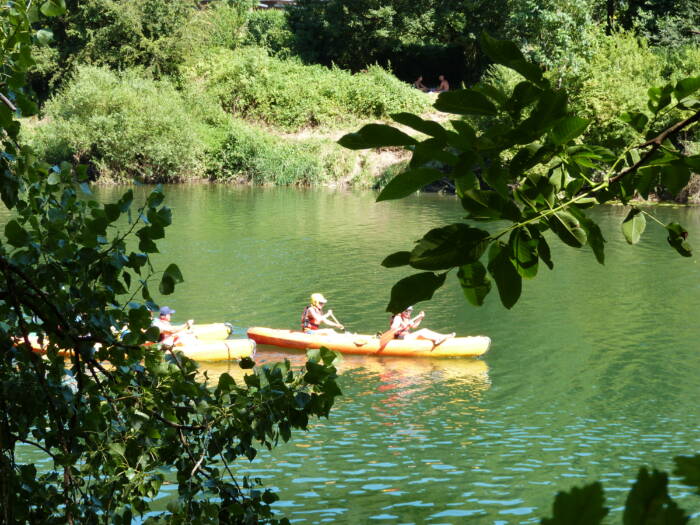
column 317, row 298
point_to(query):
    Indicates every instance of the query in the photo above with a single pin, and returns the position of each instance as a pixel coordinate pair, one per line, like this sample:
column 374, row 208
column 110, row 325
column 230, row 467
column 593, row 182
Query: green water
column 591, row 375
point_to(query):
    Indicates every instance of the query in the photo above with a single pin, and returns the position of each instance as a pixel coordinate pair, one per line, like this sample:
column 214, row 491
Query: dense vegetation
column 118, row 416
column 242, row 77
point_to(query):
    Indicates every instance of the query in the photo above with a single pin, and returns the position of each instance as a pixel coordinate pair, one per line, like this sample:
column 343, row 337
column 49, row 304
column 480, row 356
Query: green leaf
column 579, row 506
column 507, row 278
column 568, row 228
column 43, row 36
column 544, row 252
column 449, row 246
column 595, row 237
column 524, row 94
column 167, row 285
column 53, row 179
column 524, row 250
column 677, row 236
column 413, row 289
column 465, row 102
column 634, row 225
column 376, row 136
column 646, row 179
column 508, row 54
column 648, row 501
column 488, row 204
column 16, row 235
column 429, row 151
column 427, row 127
column 396, row 259
column 675, row 176
column 53, row 8
column 686, row 87
column 408, row 182
column 636, row 120
column 475, row 282
column 659, row 98
column 688, row 468
column 173, row 271
column 567, row 129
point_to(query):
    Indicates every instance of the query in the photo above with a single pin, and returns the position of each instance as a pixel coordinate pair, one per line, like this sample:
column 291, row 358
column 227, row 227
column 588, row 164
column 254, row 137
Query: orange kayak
column 472, row 346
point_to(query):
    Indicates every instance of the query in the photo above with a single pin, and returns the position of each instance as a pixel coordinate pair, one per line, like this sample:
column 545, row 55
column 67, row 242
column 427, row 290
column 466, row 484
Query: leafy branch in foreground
column 527, row 167
column 116, row 418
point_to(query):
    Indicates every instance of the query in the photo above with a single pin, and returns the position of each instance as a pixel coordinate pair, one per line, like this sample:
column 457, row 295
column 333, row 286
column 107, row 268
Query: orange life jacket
column 307, row 321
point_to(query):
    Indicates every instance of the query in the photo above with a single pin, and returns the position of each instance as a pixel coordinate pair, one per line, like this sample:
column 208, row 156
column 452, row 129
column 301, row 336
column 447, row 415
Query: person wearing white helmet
column 313, row 317
column 402, row 324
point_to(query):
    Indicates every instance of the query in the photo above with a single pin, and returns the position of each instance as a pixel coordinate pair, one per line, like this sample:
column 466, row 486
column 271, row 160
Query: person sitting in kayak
column 169, row 333
column 402, row 324
column 313, row 316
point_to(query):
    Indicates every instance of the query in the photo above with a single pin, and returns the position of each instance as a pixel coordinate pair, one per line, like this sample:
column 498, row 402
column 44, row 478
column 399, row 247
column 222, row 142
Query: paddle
column 333, row 318
column 389, row 334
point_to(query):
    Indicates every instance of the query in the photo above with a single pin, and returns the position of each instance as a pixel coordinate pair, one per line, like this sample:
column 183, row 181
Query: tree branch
column 655, row 144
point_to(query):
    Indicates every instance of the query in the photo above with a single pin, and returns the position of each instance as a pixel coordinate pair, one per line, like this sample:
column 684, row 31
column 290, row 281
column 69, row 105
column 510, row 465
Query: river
column 593, row 373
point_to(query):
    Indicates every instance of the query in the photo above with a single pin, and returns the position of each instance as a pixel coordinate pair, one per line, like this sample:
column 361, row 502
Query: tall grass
column 289, row 95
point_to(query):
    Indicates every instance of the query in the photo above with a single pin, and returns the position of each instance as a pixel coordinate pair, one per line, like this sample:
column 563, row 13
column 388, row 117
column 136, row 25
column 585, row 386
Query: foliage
column 220, row 24
column 290, row 95
column 122, row 124
column 532, row 177
column 268, row 28
column 531, row 170
column 117, row 417
column 557, row 34
column 146, row 33
column 252, row 155
column 614, row 80
column 354, row 34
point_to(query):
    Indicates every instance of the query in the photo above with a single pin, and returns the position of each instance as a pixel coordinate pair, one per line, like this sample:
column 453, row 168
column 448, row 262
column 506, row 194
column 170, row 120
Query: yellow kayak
column 226, row 350
column 472, row 346
column 211, row 331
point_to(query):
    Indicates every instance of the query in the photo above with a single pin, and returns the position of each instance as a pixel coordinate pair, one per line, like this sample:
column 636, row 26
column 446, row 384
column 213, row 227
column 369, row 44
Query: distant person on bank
column 444, row 85
column 418, row 84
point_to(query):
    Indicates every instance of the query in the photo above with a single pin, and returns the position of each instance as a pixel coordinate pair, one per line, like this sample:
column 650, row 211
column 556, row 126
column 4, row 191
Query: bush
column 269, row 29
column 290, row 95
column 218, row 25
column 253, row 155
column 615, row 79
column 122, row 125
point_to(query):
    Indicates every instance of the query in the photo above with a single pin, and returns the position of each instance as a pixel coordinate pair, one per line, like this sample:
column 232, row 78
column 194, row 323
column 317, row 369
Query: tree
column 116, row 417
column 529, row 174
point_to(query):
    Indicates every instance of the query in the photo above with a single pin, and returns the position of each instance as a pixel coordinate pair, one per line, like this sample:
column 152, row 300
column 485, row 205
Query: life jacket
column 307, row 321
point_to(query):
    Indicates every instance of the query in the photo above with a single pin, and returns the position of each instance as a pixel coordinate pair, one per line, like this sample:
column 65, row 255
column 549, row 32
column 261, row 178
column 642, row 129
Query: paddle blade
column 385, row 338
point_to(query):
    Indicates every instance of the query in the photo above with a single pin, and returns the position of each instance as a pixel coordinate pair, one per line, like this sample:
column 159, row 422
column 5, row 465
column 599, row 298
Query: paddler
column 402, row 324
column 313, row 317
column 169, row 333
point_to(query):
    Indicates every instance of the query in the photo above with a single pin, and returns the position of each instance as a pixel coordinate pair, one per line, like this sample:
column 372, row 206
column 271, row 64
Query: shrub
column 269, row 29
column 290, row 95
column 218, row 25
column 253, row 155
column 122, row 125
column 615, row 79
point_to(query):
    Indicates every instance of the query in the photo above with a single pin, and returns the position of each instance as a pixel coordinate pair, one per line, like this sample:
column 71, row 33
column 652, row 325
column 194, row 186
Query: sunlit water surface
column 592, row 374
